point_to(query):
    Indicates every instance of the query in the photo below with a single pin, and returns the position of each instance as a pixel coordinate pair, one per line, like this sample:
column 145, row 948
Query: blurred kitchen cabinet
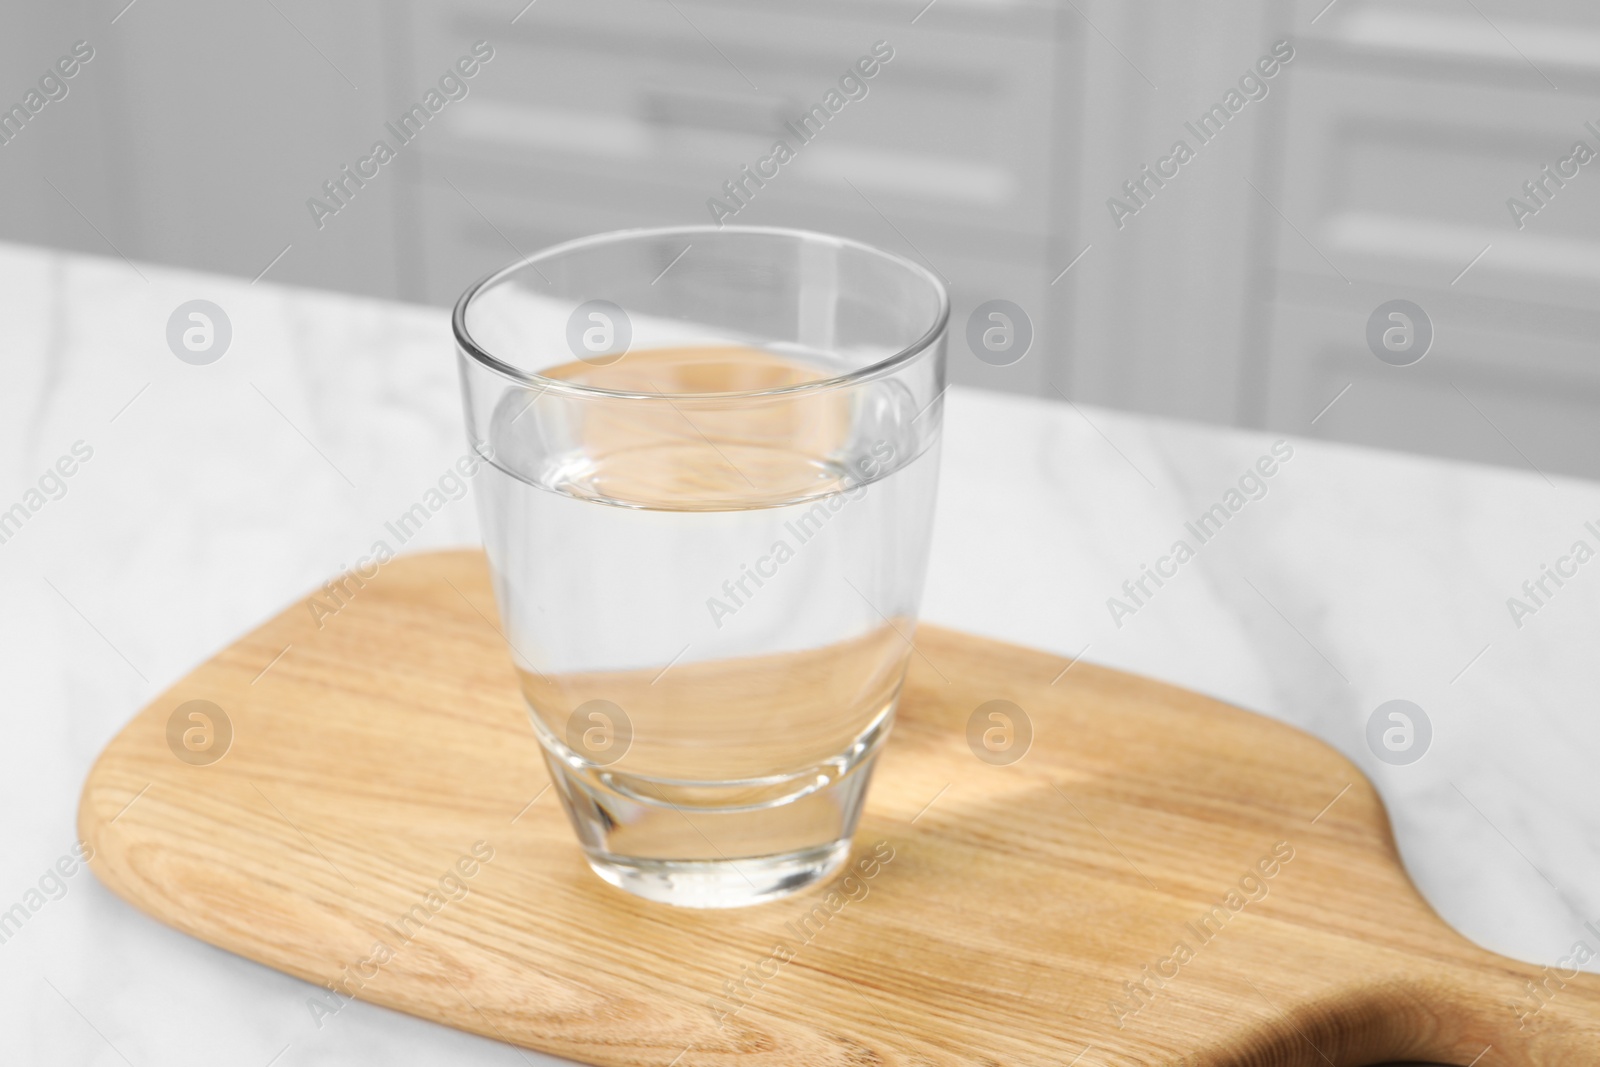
column 991, row 147
column 1414, row 124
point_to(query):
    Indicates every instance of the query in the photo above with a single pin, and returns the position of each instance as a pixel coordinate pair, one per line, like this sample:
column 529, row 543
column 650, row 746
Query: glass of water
column 712, row 455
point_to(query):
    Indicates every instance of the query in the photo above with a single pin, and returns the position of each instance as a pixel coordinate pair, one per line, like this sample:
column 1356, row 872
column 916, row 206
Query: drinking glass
column 711, row 459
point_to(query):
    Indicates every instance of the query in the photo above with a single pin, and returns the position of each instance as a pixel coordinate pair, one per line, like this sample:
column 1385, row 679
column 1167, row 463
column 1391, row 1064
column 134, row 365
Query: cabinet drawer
column 1492, row 388
column 956, row 128
column 1404, row 178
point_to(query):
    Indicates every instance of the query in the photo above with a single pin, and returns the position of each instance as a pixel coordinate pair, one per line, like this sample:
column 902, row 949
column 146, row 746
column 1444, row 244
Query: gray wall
column 1376, row 167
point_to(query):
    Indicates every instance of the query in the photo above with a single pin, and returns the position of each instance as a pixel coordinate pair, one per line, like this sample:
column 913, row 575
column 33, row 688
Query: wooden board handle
column 1496, row 1011
column 1535, row 1016
column 1469, row 1008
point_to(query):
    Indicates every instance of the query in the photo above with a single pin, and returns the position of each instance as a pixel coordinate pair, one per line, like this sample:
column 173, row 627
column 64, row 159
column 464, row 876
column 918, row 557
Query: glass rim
column 467, row 344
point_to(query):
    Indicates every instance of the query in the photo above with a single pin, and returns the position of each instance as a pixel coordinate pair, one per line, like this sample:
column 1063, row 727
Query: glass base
column 721, row 883
column 715, row 845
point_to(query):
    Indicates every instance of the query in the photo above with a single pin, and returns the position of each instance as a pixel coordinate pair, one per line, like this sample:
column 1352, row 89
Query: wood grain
column 1007, row 910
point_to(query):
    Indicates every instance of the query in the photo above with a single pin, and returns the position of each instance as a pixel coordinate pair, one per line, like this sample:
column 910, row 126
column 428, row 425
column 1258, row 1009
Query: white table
column 217, row 494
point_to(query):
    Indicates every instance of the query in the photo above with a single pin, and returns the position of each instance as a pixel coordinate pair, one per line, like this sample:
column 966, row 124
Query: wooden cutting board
column 1071, row 907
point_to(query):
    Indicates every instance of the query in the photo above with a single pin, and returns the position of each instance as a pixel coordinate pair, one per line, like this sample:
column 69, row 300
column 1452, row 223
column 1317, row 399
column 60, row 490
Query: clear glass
column 712, row 459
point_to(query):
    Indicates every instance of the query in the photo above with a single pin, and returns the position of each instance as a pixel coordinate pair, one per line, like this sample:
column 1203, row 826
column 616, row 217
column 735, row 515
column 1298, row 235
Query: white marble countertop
column 217, row 494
